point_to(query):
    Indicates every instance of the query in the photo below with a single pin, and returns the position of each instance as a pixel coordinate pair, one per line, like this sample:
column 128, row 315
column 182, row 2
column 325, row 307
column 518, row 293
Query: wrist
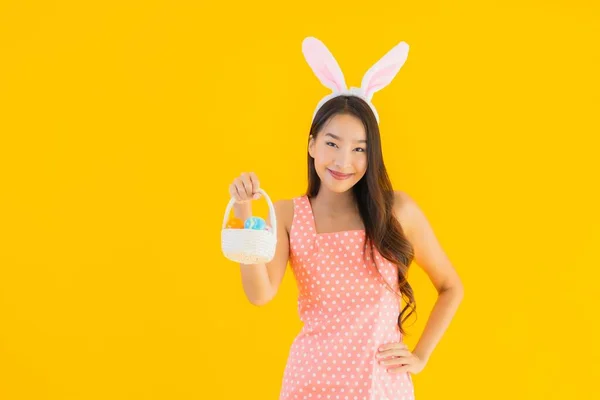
column 242, row 210
column 421, row 355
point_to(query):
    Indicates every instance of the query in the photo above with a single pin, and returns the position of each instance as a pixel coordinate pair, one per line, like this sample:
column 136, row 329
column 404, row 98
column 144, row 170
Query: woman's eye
column 359, row 149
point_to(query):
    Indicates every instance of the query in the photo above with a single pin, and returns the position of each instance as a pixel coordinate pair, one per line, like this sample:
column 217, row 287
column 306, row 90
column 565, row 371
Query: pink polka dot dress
column 347, row 313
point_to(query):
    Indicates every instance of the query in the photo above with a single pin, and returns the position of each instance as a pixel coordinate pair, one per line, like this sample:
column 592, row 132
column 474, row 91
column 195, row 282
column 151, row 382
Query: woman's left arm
column 430, row 256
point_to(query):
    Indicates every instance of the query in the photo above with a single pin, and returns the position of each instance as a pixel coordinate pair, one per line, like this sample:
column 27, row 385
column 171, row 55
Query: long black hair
column 374, row 196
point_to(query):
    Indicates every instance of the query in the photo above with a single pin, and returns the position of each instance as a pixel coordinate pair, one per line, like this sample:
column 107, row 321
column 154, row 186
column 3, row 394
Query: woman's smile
column 338, row 175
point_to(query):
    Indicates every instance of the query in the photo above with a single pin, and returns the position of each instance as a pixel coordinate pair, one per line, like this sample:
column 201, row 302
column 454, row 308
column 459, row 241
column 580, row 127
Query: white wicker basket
column 249, row 246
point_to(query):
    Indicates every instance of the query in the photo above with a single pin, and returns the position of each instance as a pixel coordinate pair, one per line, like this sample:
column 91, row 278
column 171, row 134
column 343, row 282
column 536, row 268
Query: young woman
column 350, row 240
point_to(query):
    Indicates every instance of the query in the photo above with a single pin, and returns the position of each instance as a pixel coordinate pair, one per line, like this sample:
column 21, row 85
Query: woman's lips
column 338, row 175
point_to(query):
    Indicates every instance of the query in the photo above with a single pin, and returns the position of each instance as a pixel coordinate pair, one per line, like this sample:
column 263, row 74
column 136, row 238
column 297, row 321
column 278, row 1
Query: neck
column 336, row 202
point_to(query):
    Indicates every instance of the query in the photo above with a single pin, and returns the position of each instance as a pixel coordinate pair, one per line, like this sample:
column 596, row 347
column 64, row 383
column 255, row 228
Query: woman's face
column 340, row 152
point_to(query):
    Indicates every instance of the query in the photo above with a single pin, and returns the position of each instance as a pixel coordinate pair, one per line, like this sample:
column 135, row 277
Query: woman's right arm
column 261, row 281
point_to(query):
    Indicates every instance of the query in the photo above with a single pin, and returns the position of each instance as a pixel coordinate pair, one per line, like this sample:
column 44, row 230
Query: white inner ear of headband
column 328, row 71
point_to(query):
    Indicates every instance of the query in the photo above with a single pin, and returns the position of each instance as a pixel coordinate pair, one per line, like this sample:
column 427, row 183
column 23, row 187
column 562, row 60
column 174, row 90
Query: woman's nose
column 342, row 161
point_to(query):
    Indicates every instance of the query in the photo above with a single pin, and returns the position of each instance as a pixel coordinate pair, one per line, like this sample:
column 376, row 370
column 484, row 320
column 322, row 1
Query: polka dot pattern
column 347, row 313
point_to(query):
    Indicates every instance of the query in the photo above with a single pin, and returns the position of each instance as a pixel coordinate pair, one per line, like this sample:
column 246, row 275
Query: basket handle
column 271, row 211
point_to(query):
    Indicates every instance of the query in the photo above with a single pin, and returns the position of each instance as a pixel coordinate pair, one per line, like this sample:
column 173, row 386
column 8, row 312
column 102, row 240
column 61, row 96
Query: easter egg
column 234, row 223
column 255, row 223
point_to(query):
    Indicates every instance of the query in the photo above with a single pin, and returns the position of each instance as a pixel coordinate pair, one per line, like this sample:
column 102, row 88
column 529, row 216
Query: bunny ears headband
column 328, row 71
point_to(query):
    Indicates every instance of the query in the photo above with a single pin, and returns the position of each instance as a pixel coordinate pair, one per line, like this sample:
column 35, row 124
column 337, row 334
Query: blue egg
column 255, row 223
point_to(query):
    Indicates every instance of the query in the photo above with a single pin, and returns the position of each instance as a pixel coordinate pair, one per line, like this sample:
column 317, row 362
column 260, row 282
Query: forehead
column 344, row 127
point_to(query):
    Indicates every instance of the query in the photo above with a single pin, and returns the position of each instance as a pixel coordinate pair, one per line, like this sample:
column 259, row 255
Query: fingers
column 392, row 346
column 245, row 187
column 399, row 370
column 255, row 185
column 233, row 191
column 397, row 359
column 394, row 353
column 401, row 359
column 396, row 356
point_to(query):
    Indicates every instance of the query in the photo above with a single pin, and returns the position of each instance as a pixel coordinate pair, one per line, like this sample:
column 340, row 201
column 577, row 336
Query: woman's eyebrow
column 339, row 138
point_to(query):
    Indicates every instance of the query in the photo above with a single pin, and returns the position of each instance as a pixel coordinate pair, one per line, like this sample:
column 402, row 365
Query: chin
column 339, row 188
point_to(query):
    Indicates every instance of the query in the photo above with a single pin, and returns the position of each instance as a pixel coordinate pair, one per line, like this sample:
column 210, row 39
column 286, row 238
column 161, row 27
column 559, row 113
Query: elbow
column 261, row 301
column 461, row 293
column 262, row 297
column 457, row 290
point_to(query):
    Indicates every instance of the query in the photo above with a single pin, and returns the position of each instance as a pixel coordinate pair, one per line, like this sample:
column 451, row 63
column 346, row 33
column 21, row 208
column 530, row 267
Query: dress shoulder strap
column 302, row 222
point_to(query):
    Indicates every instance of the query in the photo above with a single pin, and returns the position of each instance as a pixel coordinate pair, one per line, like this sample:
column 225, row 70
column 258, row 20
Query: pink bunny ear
column 323, row 64
column 382, row 72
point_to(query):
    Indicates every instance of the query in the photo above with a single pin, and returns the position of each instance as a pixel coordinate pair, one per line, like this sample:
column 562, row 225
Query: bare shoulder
column 405, row 209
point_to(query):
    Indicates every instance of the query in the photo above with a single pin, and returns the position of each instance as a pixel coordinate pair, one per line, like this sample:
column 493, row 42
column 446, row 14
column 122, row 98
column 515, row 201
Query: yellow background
column 123, row 122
